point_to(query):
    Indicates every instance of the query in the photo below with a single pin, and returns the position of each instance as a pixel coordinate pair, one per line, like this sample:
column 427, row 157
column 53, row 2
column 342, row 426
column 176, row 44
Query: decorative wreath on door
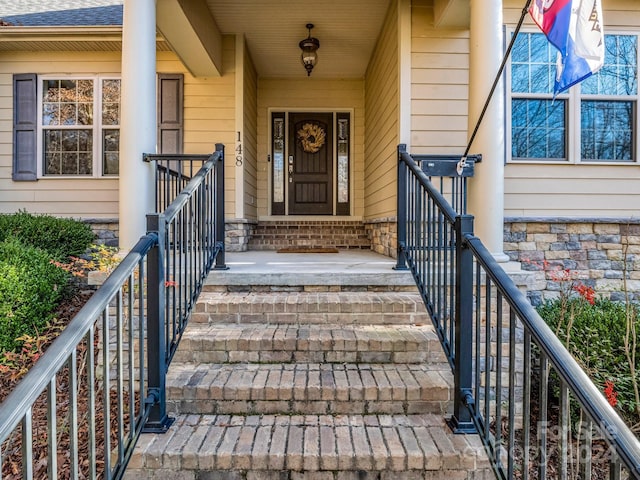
column 311, row 137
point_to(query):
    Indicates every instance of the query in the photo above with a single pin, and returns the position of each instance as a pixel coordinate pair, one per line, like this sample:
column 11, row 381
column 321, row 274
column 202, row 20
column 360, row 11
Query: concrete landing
column 348, row 267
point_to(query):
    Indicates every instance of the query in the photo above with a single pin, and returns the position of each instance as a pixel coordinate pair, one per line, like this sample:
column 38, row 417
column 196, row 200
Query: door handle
column 290, row 168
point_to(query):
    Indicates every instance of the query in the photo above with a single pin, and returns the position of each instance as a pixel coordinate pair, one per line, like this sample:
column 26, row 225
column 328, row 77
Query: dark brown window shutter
column 25, row 128
column 170, row 112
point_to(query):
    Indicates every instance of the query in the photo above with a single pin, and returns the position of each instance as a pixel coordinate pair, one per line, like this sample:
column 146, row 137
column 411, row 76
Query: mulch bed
column 11, row 449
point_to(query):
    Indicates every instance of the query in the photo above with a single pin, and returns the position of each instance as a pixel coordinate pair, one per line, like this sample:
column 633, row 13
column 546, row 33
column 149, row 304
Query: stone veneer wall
column 383, row 234
column 593, row 250
column 237, row 234
column 106, row 230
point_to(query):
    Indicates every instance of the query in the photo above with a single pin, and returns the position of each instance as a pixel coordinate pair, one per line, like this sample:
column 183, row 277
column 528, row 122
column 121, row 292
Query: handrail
column 172, row 172
column 502, row 352
column 443, row 206
column 119, row 345
column 187, row 192
column 453, row 172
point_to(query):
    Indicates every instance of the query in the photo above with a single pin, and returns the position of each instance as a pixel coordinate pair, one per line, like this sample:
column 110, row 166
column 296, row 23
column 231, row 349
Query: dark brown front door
column 310, row 164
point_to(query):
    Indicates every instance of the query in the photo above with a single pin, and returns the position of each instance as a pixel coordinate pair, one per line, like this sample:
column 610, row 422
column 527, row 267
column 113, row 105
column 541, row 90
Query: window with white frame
column 79, row 126
column 595, row 121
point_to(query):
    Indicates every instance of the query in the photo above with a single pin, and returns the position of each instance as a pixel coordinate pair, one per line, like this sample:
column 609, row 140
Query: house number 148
column 238, row 151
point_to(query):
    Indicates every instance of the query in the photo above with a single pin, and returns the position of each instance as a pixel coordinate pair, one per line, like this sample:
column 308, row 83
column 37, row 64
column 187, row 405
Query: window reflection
column 72, row 124
column 538, row 130
column 605, row 104
column 606, row 131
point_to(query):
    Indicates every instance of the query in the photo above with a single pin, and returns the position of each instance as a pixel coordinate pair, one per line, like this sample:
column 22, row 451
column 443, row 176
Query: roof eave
column 53, row 33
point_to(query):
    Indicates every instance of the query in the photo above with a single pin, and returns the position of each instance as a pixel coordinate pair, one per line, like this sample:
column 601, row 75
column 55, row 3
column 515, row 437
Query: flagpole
column 497, row 79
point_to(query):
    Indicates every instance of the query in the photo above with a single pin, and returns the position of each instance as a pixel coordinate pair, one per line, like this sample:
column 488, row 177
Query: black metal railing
column 173, row 172
column 190, row 243
column 102, row 381
column 537, row 412
column 450, row 175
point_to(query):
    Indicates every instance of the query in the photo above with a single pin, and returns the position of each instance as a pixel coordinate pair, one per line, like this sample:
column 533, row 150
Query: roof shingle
column 36, row 13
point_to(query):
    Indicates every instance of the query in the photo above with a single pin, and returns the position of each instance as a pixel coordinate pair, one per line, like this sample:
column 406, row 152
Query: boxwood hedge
column 31, row 285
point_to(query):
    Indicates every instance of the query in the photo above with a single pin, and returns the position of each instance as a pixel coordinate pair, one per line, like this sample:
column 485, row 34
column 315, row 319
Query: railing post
column 401, row 263
column 158, row 421
column 461, row 421
column 219, row 210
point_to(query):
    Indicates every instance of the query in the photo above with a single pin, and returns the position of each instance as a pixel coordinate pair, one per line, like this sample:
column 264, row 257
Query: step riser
column 216, row 288
column 351, row 407
column 223, row 356
column 168, row 474
column 312, row 318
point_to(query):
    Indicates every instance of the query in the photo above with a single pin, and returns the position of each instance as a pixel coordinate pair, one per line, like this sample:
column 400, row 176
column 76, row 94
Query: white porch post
column 486, row 190
column 137, row 118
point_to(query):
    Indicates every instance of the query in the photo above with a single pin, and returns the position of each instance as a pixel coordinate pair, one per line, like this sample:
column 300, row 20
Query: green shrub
column 596, row 340
column 31, row 288
column 61, row 237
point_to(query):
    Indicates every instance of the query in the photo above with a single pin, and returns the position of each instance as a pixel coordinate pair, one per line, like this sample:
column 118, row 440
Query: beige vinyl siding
column 572, row 191
column 382, row 121
column 208, row 118
column 575, row 190
column 80, row 198
column 440, row 85
column 250, row 143
column 209, row 111
column 617, row 13
column 311, row 94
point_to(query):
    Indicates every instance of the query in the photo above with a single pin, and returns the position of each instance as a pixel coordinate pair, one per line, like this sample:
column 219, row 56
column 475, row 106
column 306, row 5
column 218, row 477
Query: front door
column 310, row 164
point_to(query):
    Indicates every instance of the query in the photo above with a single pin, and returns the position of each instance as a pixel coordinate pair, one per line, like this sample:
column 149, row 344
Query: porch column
column 486, row 188
column 137, row 118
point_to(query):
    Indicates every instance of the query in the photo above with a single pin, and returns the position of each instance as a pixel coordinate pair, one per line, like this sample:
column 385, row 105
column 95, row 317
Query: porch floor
column 348, row 267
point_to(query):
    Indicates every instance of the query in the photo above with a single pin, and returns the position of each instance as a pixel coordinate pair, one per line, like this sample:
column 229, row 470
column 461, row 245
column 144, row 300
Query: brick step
column 305, row 388
column 313, row 447
column 259, row 343
column 344, row 308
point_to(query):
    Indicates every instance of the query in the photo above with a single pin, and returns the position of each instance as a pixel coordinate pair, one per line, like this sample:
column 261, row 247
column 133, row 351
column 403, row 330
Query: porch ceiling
column 347, row 30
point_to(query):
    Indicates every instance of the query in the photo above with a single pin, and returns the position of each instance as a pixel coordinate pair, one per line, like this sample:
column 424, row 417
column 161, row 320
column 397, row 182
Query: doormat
column 308, row 250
